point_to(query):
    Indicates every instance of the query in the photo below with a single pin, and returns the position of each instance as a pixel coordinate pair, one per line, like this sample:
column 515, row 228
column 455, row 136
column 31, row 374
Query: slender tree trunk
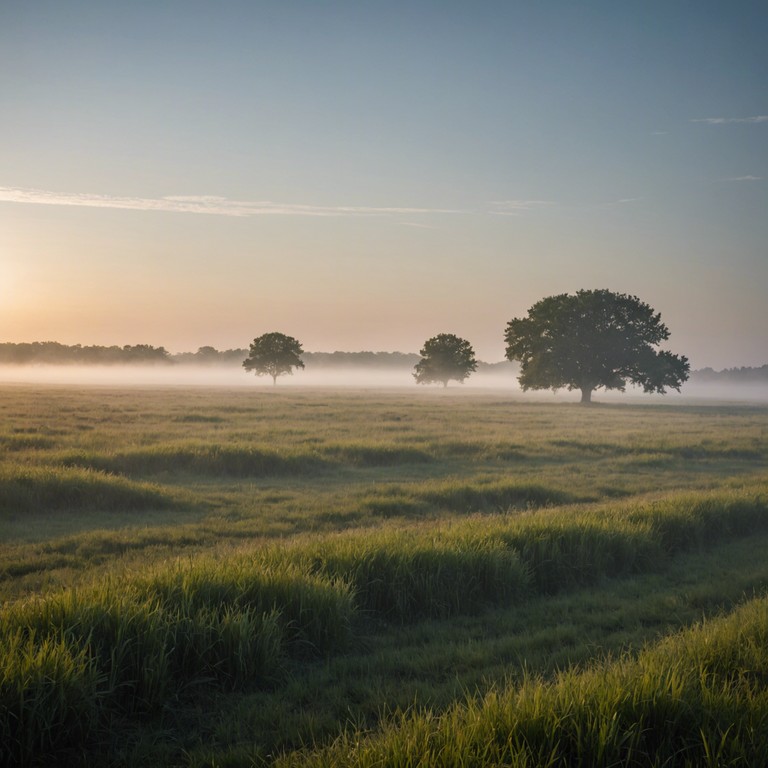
column 274, row 379
column 586, row 395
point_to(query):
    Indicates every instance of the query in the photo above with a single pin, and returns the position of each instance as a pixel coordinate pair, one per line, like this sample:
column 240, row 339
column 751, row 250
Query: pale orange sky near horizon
column 365, row 178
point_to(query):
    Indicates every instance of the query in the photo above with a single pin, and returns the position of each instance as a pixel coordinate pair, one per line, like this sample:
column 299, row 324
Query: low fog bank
column 235, row 376
column 747, row 392
column 501, row 377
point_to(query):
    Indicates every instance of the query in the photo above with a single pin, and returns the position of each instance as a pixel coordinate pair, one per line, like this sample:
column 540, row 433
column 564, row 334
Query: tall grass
column 494, row 496
column 208, row 459
column 49, row 697
column 687, row 520
column 409, row 575
column 698, row 698
column 134, row 643
column 437, row 569
column 314, row 611
column 131, row 646
column 157, row 633
column 241, row 459
column 31, row 489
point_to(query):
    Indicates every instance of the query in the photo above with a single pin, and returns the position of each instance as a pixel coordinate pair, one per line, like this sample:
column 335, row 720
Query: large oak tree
column 274, row 354
column 593, row 339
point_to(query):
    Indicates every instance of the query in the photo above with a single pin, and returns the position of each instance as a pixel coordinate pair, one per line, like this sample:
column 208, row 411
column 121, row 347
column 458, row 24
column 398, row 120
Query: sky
column 365, row 175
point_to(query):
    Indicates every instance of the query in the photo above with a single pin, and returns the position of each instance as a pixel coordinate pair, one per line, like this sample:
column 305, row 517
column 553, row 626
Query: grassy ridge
column 243, row 459
column 462, row 497
column 409, row 575
column 200, row 459
column 406, row 574
column 143, row 640
column 25, row 490
column 698, row 698
column 561, row 549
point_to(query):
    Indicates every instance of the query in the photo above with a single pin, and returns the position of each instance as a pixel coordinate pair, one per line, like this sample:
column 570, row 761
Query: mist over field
column 501, row 378
column 226, row 376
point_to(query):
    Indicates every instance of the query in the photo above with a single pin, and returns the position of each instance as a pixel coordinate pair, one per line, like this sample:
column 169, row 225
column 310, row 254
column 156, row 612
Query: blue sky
column 366, row 175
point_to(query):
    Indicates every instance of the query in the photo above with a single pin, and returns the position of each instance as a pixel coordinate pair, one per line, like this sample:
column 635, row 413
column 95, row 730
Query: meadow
column 201, row 576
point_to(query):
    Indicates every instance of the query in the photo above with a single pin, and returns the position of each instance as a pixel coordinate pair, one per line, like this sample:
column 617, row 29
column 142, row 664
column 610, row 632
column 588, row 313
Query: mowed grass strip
column 696, row 698
column 29, row 489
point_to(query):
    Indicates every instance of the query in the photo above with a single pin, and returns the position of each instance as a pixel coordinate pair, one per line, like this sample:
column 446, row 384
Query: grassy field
column 232, row 577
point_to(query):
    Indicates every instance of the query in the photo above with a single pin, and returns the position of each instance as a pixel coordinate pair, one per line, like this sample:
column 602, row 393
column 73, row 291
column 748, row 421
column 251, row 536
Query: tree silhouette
column 590, row 340
column 445, row 357
column 273, row 354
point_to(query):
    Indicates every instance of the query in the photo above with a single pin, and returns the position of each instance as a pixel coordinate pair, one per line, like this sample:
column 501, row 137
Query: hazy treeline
column 51, row 352
column 731, row 376
column 54, row 353
column 211, row 356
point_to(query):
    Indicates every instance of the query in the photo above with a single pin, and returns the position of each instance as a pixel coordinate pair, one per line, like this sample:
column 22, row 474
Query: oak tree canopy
column 273, row 354
column 445, row 357
column 593, row 339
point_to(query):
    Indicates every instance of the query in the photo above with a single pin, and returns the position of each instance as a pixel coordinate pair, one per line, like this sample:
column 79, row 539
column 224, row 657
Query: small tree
column 274, row 354
column 445, row 357
column 593, row 339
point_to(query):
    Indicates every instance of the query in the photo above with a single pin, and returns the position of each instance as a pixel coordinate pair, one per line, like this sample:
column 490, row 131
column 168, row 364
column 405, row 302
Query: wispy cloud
column 745, row 178
column 417, row 225
column 614, row 203
column 202, row 204
column 516, row 207
column 723, row 120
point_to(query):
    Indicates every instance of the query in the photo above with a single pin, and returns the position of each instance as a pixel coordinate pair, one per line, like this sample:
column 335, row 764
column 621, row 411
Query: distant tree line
column 211, row 356
column 731, row 376
column 51, row 352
